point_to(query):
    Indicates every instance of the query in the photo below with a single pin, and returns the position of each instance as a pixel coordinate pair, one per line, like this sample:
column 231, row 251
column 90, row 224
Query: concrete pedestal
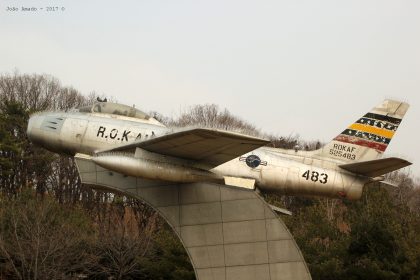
column 229, row 233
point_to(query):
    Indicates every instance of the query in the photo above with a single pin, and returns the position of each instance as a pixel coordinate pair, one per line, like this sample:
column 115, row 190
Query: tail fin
column 369, row 136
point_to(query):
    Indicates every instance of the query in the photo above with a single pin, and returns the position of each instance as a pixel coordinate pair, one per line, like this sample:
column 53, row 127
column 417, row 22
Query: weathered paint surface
column 274, row 170
column 280, row 172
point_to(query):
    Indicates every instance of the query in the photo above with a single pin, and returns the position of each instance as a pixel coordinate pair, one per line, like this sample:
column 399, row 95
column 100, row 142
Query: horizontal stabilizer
column 377, row 167
column 389, row 185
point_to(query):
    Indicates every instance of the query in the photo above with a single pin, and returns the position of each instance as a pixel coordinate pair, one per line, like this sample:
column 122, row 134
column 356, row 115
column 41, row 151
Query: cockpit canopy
column 115, row 109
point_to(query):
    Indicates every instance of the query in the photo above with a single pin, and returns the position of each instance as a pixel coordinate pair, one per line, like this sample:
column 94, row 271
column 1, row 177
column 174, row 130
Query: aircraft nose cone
column 33, row 130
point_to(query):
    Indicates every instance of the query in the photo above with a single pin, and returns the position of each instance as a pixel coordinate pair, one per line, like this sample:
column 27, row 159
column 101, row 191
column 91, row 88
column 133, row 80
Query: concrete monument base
column 229, row 233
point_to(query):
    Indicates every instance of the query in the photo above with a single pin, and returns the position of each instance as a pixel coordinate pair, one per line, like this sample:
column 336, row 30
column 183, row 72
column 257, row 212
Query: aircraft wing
column 377, row 167
column 208, row 146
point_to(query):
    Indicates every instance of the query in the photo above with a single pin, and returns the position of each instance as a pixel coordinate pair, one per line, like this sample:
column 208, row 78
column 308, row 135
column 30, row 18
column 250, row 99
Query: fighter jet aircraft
column 123, row 139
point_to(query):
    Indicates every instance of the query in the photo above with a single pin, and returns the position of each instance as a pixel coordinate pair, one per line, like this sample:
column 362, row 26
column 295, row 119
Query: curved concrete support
column 228, row 232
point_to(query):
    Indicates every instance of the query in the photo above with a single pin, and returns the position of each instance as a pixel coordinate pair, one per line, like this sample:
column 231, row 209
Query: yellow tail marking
column 373, row 130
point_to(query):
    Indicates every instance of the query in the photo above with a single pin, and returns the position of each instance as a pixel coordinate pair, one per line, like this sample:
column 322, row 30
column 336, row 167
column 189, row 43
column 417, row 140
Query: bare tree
column 20, row 95
column 125, row 236
column 407, row 191
column 41, row 240
column 210, row 115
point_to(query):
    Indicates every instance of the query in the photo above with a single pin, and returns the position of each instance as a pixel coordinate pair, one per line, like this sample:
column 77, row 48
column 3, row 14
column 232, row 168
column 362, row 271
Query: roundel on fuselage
column 253, row 161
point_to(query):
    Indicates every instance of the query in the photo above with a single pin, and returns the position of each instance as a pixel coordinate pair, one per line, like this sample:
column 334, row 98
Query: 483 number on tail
column 315, row 176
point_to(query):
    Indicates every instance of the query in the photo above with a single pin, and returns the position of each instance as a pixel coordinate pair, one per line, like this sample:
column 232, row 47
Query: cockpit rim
column 114, row 109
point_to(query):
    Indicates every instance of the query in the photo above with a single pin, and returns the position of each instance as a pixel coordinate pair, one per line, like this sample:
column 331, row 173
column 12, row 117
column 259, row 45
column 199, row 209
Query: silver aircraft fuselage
column 276, row 170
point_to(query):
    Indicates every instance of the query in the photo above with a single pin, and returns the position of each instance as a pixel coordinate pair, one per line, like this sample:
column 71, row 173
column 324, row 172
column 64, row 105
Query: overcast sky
column 290, row 67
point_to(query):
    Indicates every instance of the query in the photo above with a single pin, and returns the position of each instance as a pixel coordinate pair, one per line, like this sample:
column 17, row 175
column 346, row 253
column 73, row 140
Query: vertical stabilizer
column 369, row 136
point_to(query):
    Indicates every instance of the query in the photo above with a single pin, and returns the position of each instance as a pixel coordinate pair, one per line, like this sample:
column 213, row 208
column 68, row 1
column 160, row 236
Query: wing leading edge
column 208, row 146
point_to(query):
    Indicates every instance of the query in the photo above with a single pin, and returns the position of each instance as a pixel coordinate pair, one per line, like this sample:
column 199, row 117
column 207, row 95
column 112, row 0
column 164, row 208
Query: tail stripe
column 363, row 139
column 383, row 118
column 372, row 130
column 378, row 124
column 365, row 136
column 361, row 142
